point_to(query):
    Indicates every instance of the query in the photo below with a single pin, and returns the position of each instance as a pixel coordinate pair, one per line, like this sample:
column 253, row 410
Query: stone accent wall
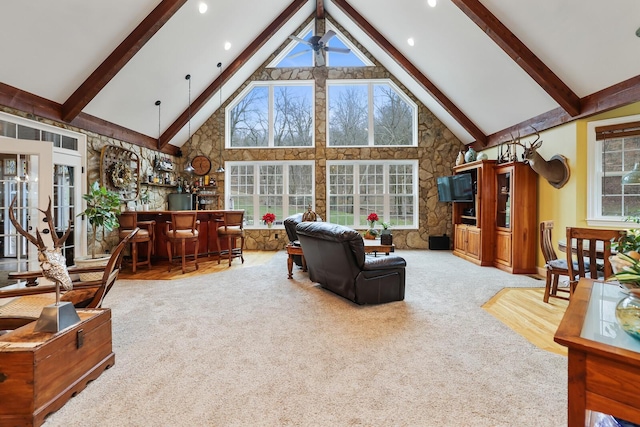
column 95, row 142
column 436, row 151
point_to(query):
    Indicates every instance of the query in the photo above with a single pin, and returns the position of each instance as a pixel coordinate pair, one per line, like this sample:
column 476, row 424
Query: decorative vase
column 460, row 159
column 628, row 313
column 370, row 234
column 470, row 156
column 269, row 224
column 386, row 238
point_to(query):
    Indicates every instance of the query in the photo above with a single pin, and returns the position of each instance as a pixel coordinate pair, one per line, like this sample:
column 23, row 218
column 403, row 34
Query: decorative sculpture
column 53, row 264
column 309, row 215
column 555, row 170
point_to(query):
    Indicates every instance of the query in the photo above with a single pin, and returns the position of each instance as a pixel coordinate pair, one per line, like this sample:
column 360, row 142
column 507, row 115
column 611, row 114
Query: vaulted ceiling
column 485, row 68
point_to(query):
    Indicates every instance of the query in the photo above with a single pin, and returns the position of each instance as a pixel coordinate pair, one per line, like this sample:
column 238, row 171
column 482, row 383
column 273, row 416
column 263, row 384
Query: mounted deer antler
column 555, row 170
column 52, row 261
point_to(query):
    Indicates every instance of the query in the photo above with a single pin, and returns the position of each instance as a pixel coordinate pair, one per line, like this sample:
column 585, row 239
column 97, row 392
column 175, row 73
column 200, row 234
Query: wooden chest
column 41, row 371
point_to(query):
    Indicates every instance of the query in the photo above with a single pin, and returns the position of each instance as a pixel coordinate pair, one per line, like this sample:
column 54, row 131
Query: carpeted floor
column 247, row 347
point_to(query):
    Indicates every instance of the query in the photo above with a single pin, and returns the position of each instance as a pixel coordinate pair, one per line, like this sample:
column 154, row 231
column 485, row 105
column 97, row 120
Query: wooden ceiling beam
column 522, row 55
column 616, row 96
column 90, row 88
column 255, row 45
column 319, row 9
column 440, row 97
column 38, row 107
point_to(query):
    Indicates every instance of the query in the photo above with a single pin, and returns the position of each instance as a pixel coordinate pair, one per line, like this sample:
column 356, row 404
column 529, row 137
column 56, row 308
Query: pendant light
column 189, row 168
column 633, row 177
column 220, row 167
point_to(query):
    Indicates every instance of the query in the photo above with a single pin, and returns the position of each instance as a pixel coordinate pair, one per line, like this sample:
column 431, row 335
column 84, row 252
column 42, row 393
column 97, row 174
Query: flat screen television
column 455, row 188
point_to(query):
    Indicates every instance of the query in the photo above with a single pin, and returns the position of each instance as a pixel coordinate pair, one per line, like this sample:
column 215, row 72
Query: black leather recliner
column 335, row 258
column 290, row 226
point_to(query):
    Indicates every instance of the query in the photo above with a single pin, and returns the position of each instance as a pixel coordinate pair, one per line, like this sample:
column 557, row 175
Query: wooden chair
column 588, row 252
column 232, row 228
column 129, row 221
column 184, row 227
column 32, row 298
column 555, row 267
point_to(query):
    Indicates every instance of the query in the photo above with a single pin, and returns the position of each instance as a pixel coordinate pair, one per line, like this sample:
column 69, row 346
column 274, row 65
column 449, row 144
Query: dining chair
column 555, row 267
column 183, row 228
column 588, row 252
column 232, row 228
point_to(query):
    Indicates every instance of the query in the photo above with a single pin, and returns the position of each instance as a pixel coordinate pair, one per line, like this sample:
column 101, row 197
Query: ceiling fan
column 319, row 44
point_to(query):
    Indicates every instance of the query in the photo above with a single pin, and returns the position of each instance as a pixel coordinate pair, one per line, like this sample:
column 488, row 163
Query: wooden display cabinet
column 515, row 213
column 473, row 222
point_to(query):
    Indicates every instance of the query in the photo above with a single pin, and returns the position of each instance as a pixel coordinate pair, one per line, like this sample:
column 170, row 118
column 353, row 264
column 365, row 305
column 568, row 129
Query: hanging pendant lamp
column 220, row 167
column 189, row 167
column 633, row 177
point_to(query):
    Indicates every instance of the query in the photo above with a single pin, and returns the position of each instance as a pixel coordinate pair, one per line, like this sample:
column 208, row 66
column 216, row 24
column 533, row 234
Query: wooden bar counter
column 210, row 220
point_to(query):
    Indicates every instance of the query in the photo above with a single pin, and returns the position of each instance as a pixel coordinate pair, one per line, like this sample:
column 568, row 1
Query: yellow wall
column 567, row 206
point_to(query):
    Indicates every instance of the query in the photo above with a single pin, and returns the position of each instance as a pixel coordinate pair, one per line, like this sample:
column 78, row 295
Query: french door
column 32, row 173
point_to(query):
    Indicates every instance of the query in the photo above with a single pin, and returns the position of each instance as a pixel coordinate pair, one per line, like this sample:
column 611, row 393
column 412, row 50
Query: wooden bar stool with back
column 182, row 229
column 232, row 228
column 128, row 222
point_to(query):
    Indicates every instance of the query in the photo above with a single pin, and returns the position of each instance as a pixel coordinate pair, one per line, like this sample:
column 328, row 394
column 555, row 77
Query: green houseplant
column 103, row 208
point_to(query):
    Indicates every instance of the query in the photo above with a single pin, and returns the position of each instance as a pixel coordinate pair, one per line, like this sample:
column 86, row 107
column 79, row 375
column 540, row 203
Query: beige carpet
column 251, row 348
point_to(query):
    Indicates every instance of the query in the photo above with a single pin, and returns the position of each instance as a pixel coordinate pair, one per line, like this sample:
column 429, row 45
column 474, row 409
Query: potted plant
column 103, row 208
column 386, row 238
column 269, row 218
column 144, row 199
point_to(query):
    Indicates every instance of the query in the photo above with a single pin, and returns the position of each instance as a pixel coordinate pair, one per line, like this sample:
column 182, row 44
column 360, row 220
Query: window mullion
column 271, row 118
column 371, row 135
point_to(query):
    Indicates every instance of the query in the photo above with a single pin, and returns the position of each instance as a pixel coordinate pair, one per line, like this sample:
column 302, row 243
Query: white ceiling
column 590, row 45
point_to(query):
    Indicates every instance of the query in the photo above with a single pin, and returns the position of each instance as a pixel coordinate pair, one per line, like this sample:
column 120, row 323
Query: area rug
column 248, row 347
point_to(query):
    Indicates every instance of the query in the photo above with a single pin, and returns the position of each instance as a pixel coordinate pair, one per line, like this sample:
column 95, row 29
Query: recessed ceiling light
column 202, row 7
column 432, row 3
column 227, row 45
column 411, row 41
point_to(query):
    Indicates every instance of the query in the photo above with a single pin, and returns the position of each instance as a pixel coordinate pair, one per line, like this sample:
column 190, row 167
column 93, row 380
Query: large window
column 388, row 188
column 272, row 114
column 283, row 188
column 614, row 148
column 370, row 113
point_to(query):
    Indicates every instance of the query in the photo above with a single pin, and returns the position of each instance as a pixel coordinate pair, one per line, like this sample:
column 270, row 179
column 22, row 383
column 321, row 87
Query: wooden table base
column 294, row 250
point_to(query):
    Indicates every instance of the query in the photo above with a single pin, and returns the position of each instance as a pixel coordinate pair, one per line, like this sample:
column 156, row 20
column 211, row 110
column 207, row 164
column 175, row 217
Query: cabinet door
column 460, row 238
column 473, row 242
column 503, row 248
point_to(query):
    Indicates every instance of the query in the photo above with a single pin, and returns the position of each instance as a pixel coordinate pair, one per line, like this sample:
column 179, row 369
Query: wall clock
column 201, row 165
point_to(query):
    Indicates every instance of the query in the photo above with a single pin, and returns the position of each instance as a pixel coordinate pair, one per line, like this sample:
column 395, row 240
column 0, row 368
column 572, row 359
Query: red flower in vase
column 268, row 217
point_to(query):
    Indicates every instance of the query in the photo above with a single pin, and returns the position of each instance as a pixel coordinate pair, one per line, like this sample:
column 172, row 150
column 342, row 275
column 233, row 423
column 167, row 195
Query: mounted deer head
column 52, row 262
column 555, row 170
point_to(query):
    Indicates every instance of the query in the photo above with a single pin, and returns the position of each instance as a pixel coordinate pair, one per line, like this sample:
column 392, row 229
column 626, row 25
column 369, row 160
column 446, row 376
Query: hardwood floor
column 158, row 270
column 523, row 310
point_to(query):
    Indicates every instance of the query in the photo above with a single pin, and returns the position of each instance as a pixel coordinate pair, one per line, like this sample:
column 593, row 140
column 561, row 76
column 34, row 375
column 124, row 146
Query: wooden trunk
column 41, row 371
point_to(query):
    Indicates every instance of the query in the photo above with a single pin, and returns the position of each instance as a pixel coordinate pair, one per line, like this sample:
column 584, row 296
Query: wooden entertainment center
column 499, row 228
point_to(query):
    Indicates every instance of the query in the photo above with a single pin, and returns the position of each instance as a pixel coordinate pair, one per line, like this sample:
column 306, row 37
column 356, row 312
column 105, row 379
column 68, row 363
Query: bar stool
column 232, row 229
column 183, row 228
column 128, row 222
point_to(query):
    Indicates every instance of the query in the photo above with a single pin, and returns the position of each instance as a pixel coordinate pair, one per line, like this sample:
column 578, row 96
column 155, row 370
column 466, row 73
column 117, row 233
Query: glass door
column 26, row 170
column 503, row 205
column 66, row 201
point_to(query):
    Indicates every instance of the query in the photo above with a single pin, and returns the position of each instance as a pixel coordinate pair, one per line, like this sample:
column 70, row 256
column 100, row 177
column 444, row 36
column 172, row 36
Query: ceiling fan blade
column 337, row 49
column 327, row 36
column 319, row 58
column 299, row 40
column 295, row 55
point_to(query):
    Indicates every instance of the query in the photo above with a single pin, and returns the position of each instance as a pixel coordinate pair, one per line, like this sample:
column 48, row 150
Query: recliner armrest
column 383, row 262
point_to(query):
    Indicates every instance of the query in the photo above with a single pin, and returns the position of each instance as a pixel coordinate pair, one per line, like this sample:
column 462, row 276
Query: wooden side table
column 41, row 371
column 291, row 251
column 604, row 362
